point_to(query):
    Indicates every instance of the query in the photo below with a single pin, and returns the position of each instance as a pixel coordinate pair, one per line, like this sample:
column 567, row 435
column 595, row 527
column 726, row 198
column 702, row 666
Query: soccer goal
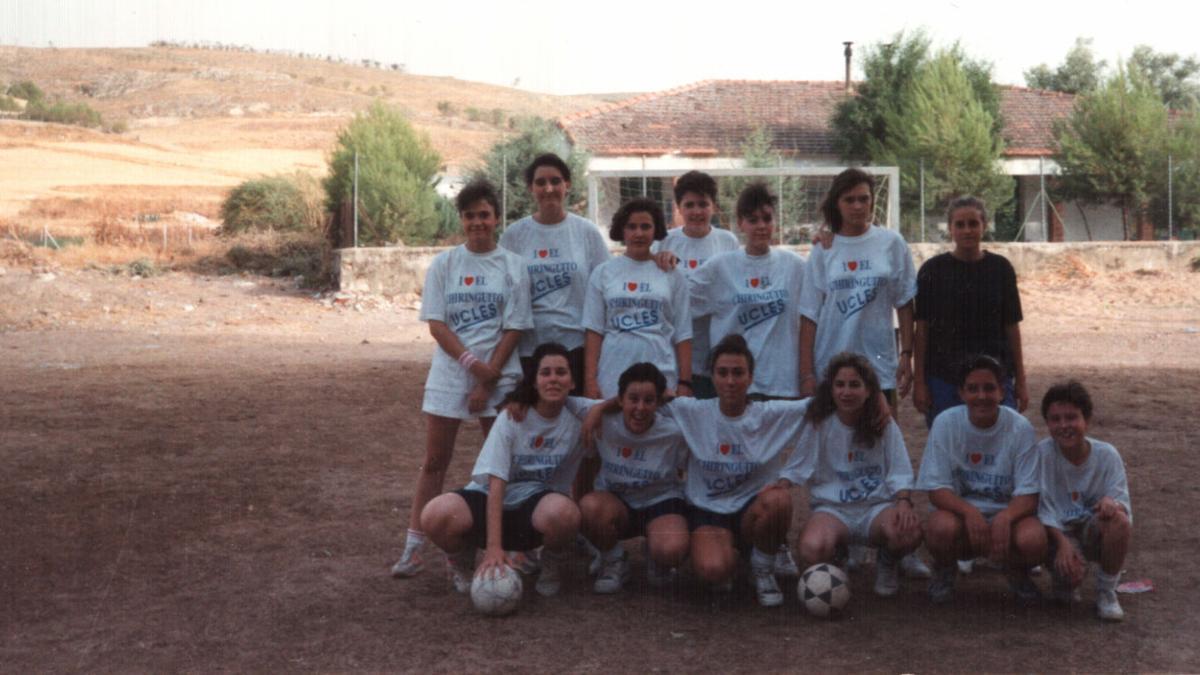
column 800, row 189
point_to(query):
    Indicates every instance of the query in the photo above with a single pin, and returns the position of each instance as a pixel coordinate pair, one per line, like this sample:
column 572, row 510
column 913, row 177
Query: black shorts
column 574, row 361
column 698, row 517
column 517, row 523
column 640, row 518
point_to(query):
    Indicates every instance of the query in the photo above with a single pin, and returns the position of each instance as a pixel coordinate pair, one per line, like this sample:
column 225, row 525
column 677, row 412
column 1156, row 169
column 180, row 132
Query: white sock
column 615, row 553
column 413, row 541
column 1105, row 581
column 760, row 560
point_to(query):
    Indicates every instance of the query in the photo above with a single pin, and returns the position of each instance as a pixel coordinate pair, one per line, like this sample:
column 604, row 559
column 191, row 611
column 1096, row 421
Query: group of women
column 805, row 367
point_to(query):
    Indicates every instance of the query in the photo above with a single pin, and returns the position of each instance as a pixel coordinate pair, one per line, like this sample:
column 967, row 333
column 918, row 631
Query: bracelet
column 467, row 359
column 684, row 383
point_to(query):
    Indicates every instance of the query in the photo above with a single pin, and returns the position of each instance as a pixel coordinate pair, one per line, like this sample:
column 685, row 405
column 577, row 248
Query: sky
column 616, row 45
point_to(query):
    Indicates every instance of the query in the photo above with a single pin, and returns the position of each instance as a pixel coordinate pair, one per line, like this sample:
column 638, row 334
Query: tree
column 888, row 69
column 758, row 153
column 397, row 168
column 504, row 165
column 1113, row 148
column 941, row 121
column 1174, row 77
column 1079, row 72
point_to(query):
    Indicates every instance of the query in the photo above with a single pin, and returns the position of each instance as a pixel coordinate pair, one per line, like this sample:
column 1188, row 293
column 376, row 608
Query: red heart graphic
column 537, row 442
column 724, row 448
column 469, row 280
column 632, row 286
column 1074, row 496
column 543, row 253
column 850, row 457
column 976, row 457
column 625, row 452
column 754, row 283
column 853, row 265
column 692, row 263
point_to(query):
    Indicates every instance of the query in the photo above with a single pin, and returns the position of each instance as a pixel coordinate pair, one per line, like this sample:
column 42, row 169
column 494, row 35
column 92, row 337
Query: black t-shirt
column 967, row 306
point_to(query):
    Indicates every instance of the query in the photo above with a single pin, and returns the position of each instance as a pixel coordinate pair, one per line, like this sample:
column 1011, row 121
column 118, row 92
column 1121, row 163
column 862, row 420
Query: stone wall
column 399, row 270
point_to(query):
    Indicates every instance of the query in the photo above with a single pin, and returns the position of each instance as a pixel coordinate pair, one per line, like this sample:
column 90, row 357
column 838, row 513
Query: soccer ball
column 824, row 590
column 497, row 593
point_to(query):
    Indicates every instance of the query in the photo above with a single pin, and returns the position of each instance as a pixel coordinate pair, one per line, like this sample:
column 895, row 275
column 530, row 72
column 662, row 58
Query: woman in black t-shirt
column 967, row 304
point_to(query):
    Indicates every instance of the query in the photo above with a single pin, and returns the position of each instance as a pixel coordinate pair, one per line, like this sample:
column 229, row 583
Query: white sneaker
column 460, row 568
column 887, row 574
column 1107, row 605
column 785, row 564
column 856, row 557
column 596, row 560
column 914, row 568
column 941, row 585
column 409, row 565
column 966, row 566
column 613, row 575
column 549, row 582
column 767, row 588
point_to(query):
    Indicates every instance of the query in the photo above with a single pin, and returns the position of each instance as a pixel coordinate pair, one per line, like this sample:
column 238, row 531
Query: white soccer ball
column 824, row 590
column 498, row 592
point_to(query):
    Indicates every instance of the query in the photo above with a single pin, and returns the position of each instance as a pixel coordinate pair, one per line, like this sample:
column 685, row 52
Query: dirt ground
column 211, row 473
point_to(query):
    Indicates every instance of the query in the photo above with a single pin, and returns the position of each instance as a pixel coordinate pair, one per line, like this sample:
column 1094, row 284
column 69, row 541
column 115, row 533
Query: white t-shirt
column 478, row 296
column 840, row 472
column 559, row 259
column 642, row 312
column 732, row 458
column 694, row 252
column 756, row 297
column 532, row 456
column 642, row 469
column 851, row 290
column 1069, row 493
column 986, row 467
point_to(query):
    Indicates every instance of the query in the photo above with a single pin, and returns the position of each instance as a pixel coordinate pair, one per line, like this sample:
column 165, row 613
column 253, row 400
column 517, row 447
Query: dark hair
column 843, row 183
column 642, row 372
column 616, row 231
column 731, row 344
column 823, row 405
column 755, row 196
column 526, row 392
column 980, row 362
column 966, row 202
column 476, row 190
column 547, row 159
column 698, row 182
column 1070, row 392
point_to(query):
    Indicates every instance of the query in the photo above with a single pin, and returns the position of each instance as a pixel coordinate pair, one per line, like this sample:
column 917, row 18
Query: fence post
column 356, row 199
column 922, row 176
column 1170, row 198
column 503, row 192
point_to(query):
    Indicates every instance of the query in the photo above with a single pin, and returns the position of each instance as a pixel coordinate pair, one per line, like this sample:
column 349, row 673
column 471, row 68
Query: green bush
column 397, row 166
column 303, row 255
column 446, row 108
column 536, row 135
column 9, row 104
column 280, row 202
column 61, row 112
column 26, row 90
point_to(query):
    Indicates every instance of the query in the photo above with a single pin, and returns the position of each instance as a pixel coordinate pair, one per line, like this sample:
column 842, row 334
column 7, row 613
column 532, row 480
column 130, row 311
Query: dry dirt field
column 210, row 474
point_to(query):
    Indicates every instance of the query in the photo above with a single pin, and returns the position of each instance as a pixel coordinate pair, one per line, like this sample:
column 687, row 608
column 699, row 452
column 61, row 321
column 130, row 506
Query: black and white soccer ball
column 497, row 593
column 824, row 590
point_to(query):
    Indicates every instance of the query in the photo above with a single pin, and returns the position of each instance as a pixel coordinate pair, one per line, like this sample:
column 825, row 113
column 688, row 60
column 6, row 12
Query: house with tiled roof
column 705, row 125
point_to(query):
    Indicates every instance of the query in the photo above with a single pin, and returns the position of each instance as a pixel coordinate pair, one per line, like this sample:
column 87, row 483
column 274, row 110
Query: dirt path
column 209, row 473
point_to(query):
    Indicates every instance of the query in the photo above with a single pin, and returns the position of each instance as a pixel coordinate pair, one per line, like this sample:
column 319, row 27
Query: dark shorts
column 640, row 518
column 703, row 387
column 517, row 523
column 574, row 360
column 768, row 397
column 698, row 517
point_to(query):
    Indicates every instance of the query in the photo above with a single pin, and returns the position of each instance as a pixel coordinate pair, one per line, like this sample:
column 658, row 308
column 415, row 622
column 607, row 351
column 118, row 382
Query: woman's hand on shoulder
column 666, row 260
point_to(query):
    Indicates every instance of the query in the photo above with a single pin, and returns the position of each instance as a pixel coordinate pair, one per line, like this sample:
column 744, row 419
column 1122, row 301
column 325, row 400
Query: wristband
column 467, row 359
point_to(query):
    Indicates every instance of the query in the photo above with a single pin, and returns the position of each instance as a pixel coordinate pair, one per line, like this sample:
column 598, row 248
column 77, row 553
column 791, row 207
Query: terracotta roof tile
column 714, row 117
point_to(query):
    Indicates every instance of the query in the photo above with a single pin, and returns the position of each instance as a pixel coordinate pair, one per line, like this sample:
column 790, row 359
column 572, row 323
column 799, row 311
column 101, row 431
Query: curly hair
column 698, row 182
column 823, row 404
column 642, row 372
column 476, row 190
column 755, row 196
column 1071, row 392
column 616, row 231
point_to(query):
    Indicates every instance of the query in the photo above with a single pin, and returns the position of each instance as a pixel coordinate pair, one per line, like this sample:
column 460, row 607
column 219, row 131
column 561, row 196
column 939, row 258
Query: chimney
column 848, row 53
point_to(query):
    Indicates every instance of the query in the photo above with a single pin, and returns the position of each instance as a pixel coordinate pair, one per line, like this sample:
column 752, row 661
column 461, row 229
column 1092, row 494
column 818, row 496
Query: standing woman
column 852, row 289
column 634, row 312
column 560, row 251
column 517, row 499
column 476, row 301
column 967, row 303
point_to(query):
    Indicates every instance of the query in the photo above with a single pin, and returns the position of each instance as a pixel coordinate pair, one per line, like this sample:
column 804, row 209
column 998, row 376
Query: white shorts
column 857, row 519
column 453, row 404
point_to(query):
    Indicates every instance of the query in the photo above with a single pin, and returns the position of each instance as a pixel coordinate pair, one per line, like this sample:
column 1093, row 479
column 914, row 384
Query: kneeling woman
column 639, row 490
column 858, row 474
column 517, row 499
